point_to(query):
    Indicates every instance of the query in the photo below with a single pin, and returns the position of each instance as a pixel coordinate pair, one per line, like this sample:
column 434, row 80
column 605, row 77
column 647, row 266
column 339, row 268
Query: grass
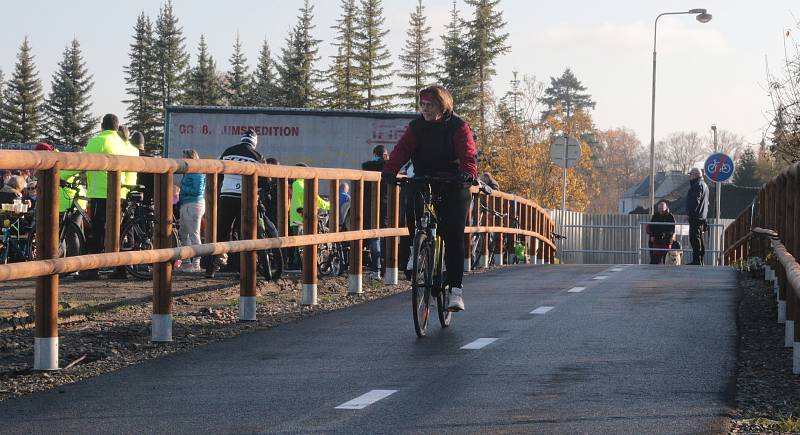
column 789, row 424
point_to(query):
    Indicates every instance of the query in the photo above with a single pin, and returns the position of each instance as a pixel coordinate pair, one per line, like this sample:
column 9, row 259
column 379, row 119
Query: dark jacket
column 697, row 200
column 376, row 166
column 231, row 184
column 435, row 148
column 662, row 233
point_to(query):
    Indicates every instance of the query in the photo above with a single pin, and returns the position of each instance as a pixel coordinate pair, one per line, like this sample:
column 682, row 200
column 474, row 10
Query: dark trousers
column 228, row 209
column 696, row 228
column 451, row 215
column 97, row 238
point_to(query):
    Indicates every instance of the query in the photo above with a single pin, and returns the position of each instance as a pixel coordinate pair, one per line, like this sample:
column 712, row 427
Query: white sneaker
column 456, row 299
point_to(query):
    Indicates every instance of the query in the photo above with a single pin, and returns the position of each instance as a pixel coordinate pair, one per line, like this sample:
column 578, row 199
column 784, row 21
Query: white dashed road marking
column 576, row 289
column 479, row 343
column 542, row 310
column 616, row 269
column 600, row 277
column 367, row 399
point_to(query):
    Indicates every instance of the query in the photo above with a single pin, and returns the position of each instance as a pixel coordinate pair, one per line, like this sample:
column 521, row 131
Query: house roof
column 666, row 182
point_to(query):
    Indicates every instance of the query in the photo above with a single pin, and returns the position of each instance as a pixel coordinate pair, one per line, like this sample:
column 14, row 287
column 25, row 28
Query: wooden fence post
column 283, row 207
column 113, row 220
column 211, row 208
column 391, row 275
column 333, row 214
column 357, row 216
column 45, row 348
column 468, row 236
column 247, row 260
column 498, row 236
column 309, row 280
column 162, row 272
column 483, row 262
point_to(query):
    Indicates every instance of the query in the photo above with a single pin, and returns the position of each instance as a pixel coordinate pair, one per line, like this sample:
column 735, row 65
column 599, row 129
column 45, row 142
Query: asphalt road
column 648, row 349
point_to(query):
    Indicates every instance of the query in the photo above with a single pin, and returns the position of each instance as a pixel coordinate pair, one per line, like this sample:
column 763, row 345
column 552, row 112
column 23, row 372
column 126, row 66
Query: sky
column 712, row 73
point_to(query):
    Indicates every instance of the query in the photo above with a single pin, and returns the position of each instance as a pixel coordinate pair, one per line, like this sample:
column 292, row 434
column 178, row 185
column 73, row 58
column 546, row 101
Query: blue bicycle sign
column 719, row 167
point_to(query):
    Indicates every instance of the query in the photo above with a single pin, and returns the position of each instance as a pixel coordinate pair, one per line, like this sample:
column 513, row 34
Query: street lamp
column 702, row 16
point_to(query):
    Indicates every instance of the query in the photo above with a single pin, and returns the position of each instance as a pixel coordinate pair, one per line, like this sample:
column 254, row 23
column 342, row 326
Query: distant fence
column 622, row 238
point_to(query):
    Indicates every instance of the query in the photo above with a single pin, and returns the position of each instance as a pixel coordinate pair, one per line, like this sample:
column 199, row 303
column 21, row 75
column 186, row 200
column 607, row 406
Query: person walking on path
column 192, row 205
column 697, row 210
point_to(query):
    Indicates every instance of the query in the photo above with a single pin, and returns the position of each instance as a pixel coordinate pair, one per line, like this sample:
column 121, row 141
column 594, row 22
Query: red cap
column 44, row 147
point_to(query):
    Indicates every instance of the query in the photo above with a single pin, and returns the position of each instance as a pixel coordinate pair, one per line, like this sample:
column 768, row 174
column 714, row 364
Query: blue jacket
column 193, row 187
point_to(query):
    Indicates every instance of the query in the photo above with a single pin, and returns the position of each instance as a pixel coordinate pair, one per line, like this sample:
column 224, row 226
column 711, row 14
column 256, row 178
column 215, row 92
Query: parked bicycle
column 138, row 222
column 269, row 262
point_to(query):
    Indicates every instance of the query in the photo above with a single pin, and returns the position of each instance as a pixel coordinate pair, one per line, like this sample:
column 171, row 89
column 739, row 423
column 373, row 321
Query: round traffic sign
column 718, row 167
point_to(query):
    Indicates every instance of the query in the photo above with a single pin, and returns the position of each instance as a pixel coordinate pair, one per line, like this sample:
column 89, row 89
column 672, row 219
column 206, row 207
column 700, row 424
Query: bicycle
column 72, row 237
column 17, row 237
column 428, row 273
column 138, row 222
column 269, row 262
column 332, row 258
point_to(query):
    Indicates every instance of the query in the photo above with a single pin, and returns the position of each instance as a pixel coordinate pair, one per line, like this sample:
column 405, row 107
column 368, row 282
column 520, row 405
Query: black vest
column 435, row 153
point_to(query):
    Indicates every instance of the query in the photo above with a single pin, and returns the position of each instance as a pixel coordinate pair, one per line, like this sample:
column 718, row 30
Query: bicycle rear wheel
column 137, row 236
column 269, row 262
column 421, row 282
column 442, row 295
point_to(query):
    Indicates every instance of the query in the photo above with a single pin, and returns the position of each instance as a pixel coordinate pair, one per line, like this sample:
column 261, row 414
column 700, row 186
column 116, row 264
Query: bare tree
column 784, row 91
column 681, row 150
column 728, row 142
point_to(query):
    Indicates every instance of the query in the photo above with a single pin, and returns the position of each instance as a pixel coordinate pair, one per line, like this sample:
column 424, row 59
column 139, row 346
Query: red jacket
column 426, row 144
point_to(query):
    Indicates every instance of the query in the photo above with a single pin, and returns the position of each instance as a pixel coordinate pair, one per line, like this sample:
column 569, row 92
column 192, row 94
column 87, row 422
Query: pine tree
column 263, row 84
column 23, row 99
column 2, row 100
column 417, row 57
column 374, row 66
column 172, row 59
column 566, row 91
column 237, row 81
column 344, row 92
column 485, row 43
column 455, row 75
column 204, row 86
column 746, row 174
column 68, row 107
column 298, row 77
column 141, row 78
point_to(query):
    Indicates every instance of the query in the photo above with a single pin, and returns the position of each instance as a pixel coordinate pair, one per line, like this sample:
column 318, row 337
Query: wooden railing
column 534, row 225
column 770, row 230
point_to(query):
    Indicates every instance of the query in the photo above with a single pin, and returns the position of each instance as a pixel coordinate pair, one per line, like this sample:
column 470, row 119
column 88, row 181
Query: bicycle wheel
column 492, row 242
column 442, row 296
column 269, row 262
column 137, row 237
column 421, row 282
column 71, row 241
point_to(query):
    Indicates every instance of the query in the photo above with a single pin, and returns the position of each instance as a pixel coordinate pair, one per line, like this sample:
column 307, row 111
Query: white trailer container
column 321, row 138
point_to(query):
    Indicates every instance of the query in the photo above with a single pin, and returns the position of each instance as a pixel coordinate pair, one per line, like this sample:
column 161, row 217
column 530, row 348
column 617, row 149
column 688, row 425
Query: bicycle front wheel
column 421, row 282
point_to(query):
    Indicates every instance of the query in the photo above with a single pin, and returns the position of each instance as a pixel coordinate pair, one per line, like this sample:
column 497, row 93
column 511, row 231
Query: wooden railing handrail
column 527, row 219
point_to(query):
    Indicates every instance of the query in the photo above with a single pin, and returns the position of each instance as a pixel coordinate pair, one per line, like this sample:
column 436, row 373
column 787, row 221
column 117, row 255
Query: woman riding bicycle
column 439, row 143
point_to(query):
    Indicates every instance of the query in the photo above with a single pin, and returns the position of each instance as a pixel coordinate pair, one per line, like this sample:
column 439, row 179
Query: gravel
column 767, row 392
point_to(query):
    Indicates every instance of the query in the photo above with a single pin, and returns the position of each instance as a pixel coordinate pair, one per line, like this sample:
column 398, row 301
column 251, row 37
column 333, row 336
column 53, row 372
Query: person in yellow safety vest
column 128, row 178
column 107, row 141
column 295, row 212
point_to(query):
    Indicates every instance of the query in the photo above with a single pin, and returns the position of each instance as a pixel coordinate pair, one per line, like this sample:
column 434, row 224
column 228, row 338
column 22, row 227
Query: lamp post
column 702, row 16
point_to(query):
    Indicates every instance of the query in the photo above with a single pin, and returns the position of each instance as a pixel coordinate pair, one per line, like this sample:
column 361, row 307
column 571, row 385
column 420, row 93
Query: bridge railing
column 770, row 230
column 524, row 218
